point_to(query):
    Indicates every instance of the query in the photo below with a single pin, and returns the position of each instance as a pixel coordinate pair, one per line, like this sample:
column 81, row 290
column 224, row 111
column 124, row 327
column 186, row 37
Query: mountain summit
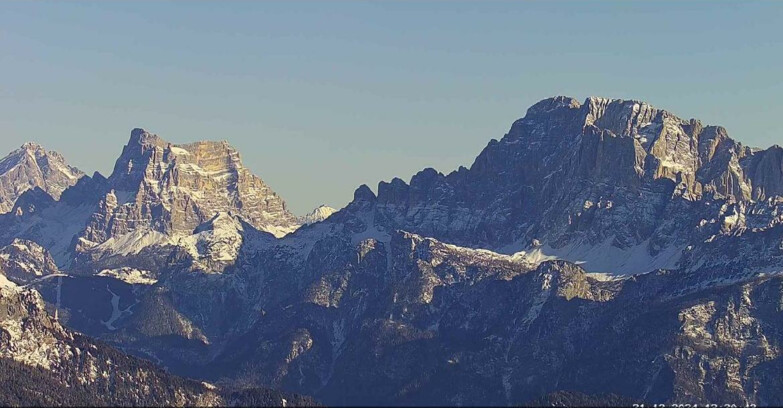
column 185, row 185
column 32, row 166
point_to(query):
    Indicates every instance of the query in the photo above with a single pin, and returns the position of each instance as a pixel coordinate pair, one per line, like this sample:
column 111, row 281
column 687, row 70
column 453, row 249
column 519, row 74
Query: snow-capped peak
column 319, row 214
column 32, row 166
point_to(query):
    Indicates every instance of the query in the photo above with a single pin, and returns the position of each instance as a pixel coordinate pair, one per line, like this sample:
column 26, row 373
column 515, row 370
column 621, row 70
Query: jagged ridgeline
column 600, row 252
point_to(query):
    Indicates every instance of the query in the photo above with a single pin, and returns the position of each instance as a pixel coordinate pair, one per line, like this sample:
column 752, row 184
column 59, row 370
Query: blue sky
column 320, row 97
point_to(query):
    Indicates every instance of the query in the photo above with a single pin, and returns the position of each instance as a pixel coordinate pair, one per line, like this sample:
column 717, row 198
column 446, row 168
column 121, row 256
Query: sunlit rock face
column 175, row 188
column 32, row 166
column 24, row 261
column 159, row 196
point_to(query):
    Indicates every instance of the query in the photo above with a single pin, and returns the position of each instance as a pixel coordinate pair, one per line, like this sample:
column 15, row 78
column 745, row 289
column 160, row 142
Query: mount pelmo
column 603, row 250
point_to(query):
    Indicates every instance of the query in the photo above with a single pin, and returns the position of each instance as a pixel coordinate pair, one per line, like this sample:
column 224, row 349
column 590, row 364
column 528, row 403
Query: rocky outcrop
column 32, row 166
column 765, row 169
column 24, row 261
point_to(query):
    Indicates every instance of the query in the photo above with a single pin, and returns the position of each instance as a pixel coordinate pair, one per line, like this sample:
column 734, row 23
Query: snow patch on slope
column 607, row 258
column 179, row 151
column 7, row 284
column 54, row 228
column 116, row 313
column 217, row 240
column 317, row 215
column 130, row 275
column 277, row 230
column 133, row 242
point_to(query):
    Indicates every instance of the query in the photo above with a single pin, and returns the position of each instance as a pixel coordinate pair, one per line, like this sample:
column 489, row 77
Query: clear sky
column 321, row 97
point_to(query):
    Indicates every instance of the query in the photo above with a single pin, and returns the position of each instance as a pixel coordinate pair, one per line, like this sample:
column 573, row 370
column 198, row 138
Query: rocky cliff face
column 619, row 185
column 24, row 261
column 175, row 188
column 31, row 166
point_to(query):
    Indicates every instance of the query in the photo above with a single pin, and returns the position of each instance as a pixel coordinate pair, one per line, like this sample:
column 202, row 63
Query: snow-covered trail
column 43, row 278
column 116, row 313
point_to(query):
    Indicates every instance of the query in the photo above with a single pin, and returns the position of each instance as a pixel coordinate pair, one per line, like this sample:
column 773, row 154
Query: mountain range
column 602, row 251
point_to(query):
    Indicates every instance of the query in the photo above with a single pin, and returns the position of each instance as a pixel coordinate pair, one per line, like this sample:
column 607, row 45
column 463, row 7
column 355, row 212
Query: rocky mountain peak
column 142, row 137
column 148, row 157
column 318, row 214
column 636, row 140
column 549, row 105
column 606, row 173
column 33, row 166
column 173, row 188
column 39, row 153
column 142, row 152
column 31, row 146
column 622, row 117
column 363, row 193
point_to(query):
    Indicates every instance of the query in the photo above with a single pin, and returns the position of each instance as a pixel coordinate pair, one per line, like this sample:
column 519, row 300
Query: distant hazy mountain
column 319, row 214
column 31, row 166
